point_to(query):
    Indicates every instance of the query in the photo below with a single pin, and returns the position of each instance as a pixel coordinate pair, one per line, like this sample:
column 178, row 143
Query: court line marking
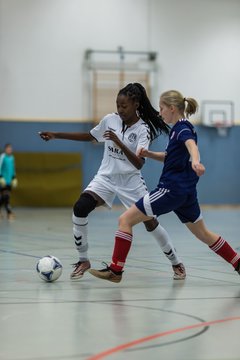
column 122, row 347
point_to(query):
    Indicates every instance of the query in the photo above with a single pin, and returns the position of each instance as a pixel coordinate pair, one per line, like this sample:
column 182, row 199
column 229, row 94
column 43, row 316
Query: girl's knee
column 122, row 220
column 151, row 224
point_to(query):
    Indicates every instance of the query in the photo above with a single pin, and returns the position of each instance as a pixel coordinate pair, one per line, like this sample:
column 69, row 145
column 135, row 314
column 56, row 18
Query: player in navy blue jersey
column 124, row 133
column 176, row 189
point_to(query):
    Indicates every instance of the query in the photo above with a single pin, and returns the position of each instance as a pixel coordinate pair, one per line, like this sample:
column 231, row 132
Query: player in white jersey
column 124, row 133
column 117, row 176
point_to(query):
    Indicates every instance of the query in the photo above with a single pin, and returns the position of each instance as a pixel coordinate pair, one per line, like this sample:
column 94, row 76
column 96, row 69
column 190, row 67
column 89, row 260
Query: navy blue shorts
column 162, row 201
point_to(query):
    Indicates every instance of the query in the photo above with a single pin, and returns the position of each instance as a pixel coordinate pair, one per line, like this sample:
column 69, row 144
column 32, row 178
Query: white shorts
column 129, row 188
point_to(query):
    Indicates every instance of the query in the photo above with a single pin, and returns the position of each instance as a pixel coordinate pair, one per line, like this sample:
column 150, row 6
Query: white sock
column 164, row 241
column 80, row 233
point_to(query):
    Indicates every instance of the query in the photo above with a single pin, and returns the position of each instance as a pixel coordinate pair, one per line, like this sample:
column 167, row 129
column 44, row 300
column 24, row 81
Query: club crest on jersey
column 132, row 137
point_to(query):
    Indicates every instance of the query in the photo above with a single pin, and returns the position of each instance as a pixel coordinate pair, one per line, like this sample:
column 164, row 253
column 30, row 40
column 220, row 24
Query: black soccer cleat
column 238, row 267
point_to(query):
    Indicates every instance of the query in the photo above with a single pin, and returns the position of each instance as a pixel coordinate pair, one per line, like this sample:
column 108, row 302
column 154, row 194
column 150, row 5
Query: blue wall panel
column 220, row 155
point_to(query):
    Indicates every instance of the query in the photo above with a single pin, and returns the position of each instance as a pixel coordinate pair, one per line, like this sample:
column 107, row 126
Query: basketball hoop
column 222, row 128
column 218, row 114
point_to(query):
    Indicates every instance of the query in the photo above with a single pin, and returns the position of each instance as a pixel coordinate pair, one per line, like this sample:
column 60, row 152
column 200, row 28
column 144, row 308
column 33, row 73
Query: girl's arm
column 160, row 156
column 195, row 158
column 136, row 160
column 49, row 135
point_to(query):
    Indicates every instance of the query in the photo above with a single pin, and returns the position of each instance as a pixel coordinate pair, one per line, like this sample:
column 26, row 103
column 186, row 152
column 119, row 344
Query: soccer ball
column 49, row 268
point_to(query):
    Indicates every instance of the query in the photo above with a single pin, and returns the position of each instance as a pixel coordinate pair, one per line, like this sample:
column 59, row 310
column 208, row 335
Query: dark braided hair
column 147, row 113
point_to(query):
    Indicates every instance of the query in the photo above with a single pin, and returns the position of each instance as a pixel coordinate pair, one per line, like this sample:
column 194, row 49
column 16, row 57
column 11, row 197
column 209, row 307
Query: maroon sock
column 222, row 248
column 122, row 246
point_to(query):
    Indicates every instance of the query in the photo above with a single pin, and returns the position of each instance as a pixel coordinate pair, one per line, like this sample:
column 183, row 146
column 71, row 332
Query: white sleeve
column 98, row 131
column 144, row 139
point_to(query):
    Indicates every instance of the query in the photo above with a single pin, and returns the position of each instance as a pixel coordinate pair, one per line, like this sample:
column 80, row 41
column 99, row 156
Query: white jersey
column 114, row 161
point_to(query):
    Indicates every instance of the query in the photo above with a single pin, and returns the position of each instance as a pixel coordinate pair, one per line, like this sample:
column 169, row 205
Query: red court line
column 125, row 346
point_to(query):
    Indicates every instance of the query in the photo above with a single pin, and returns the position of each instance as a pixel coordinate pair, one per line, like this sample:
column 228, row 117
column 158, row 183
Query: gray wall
column 42, row 46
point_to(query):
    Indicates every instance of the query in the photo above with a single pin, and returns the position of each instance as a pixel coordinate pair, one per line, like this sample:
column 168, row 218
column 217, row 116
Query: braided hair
column 137, row 93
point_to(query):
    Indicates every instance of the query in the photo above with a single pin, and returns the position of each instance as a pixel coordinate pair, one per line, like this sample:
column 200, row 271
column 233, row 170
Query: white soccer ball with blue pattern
column 49, row 268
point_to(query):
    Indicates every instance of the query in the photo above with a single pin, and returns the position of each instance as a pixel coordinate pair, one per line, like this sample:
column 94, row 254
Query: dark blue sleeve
column 185, row 134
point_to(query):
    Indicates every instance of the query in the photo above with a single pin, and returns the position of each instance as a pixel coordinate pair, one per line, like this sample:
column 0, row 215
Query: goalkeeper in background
column 7, row 179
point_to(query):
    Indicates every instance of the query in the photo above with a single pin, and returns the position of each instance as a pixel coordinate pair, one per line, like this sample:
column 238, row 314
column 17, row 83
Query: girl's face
column 166, row 112
column 126, row 109
column 8, row 150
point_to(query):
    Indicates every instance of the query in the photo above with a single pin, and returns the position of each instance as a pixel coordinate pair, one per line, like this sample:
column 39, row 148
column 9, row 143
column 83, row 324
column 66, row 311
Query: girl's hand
column 142, row 152
column 110, row 135
column 46, row 135
column 198, row 168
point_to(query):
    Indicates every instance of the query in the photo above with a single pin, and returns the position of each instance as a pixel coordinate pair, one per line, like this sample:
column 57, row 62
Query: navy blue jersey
column 177, row 174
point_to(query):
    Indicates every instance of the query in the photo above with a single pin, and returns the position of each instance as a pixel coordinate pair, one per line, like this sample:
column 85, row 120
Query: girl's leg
column 6, row 194
column 1, row 203
column 130, row 218
column 123, row 241
column 82, row 208
column 123, row 237
column 216, row 243
column 132, row 190
column 202, row 233
column 164, row 241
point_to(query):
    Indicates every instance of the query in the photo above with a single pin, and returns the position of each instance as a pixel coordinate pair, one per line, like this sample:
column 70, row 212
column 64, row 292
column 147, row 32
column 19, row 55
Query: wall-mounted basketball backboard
column 218, row 114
